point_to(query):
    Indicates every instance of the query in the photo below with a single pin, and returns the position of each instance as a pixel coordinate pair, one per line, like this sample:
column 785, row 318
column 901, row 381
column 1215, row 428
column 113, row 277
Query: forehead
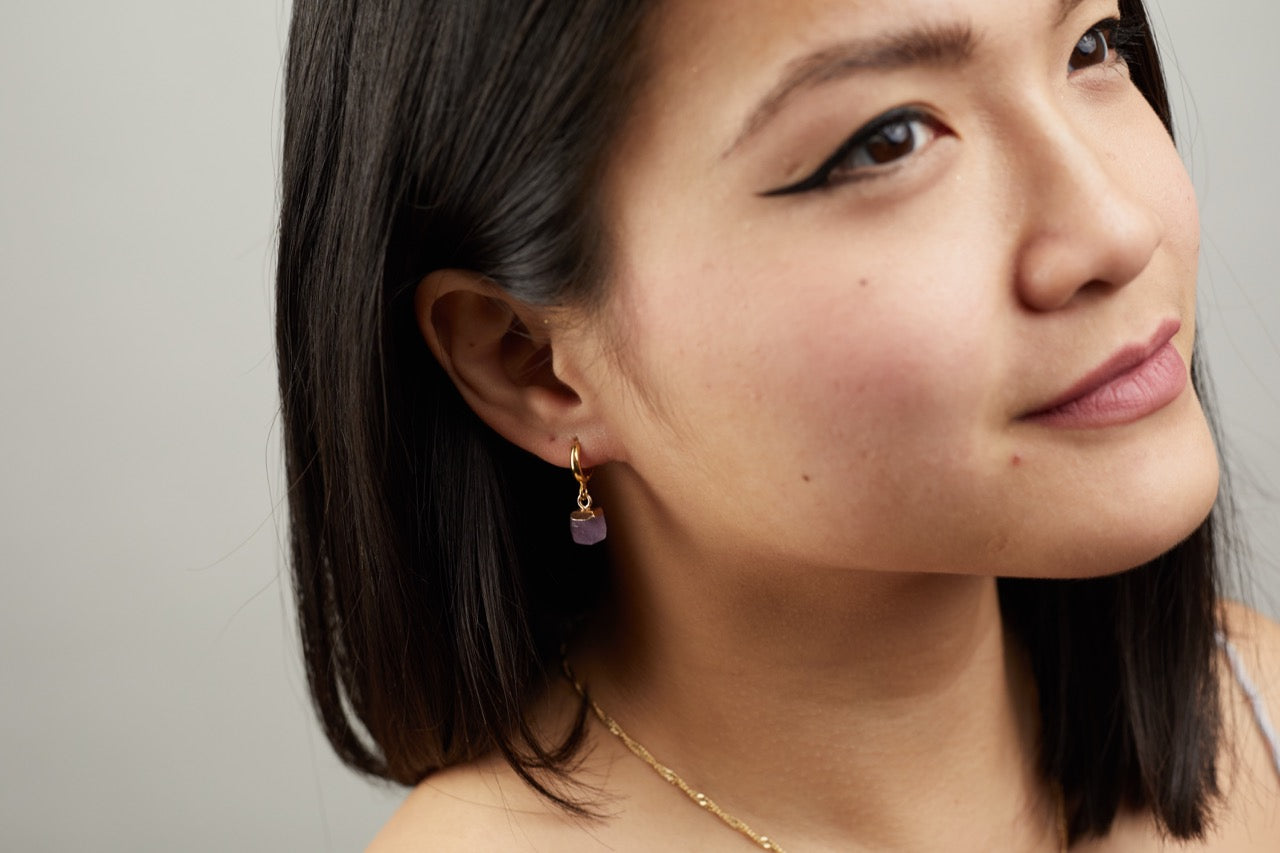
column 746, row 40
column 684, row 26
column 717, row 58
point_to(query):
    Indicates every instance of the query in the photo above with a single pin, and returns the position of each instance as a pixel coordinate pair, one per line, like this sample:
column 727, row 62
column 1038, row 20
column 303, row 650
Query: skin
column 806, row 414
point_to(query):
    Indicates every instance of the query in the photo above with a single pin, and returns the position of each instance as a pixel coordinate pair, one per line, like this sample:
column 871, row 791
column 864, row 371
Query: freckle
column 806, row 478
column 862, row 282
column 1017, row 460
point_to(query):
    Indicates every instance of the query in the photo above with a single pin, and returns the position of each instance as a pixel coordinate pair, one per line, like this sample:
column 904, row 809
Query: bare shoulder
column 1250, row 778
column 1256, row 639
column 483, row 806
column 479, row 806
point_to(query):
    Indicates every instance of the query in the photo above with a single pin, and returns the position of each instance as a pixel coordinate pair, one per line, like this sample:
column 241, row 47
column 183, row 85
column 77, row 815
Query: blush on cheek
column 928, row 380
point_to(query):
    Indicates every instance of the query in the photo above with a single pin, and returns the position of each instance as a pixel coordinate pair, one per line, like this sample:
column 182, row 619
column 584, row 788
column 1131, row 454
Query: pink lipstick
column 1136, row 381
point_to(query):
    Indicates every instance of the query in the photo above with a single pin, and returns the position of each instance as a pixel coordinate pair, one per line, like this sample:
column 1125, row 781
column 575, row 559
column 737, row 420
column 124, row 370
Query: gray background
column 153, row 698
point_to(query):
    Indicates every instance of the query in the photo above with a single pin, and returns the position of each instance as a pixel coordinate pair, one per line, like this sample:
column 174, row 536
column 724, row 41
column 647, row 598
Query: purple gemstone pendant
column 587, row 526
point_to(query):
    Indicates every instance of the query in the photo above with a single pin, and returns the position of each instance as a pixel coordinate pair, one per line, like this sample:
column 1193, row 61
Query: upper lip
column 1122, row 361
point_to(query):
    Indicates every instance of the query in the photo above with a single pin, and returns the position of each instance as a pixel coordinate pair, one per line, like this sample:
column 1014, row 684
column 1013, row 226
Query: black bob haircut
column 431, row 575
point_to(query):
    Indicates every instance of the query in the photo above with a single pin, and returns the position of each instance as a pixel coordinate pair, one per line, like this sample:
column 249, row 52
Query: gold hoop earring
column 586, row 524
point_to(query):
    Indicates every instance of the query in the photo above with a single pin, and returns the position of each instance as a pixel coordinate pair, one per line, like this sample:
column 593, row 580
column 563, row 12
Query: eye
column 1092, row 49
column 1103, row 44
column 893, row 140
column 871, row 151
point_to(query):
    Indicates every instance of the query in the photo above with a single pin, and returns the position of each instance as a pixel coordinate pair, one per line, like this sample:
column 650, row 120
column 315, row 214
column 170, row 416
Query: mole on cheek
column 806, row 478
column 863, row 282
column 1016, row 460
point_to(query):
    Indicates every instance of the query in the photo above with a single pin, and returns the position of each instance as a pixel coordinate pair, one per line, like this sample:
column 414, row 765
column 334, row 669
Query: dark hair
column 433, row 578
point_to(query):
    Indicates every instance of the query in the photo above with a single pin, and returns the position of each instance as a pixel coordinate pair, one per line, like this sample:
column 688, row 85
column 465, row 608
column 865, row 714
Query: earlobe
column 498, row 352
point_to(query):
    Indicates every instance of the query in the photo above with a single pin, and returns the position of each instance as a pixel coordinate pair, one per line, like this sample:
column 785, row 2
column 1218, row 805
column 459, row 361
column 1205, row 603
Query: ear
column 501, row 355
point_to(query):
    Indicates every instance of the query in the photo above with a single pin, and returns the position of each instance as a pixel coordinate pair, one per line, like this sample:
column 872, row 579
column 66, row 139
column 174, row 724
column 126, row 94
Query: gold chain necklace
column 764, row 842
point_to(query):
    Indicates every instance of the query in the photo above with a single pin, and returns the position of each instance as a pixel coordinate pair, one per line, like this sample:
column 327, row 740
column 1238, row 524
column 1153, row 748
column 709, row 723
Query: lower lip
column 1147, row 388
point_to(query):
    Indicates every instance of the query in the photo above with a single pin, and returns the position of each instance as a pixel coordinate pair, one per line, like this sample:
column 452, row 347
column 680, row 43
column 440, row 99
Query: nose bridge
column 1082, row 222
column 1055, row 148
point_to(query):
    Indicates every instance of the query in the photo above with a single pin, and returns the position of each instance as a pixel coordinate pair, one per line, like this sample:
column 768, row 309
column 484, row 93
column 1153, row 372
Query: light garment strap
column 1259, row 709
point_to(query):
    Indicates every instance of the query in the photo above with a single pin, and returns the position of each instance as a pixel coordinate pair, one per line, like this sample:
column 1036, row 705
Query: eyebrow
column 940, row 45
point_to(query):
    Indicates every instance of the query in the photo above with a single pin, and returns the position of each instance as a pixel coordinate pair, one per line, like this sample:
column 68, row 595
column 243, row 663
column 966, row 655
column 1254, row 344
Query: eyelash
column 1126, row 33
column 1118, row 34
column 822, row 176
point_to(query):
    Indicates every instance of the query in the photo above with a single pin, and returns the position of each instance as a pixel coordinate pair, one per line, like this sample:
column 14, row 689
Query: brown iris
column 1092, row 49
column 892, row 142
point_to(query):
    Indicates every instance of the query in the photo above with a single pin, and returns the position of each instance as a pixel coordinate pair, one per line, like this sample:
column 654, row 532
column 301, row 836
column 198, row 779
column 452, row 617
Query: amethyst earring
column 587, row 524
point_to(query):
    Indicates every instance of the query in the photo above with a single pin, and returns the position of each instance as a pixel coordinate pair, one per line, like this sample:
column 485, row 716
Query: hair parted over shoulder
column 433, row 576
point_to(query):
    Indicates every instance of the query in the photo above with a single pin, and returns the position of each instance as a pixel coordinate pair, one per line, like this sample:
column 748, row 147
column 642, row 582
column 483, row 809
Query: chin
column 1120, row 504
column 1151, row 524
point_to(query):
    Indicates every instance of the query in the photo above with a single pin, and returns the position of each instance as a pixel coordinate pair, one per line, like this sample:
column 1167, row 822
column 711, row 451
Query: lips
column 1137, row 380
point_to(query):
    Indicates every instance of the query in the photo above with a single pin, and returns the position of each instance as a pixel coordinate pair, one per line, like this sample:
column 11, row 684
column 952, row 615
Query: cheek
column 843, row 380
column 887, row 370
column 1181, row 212
column 892, row 335
column 1162, row 179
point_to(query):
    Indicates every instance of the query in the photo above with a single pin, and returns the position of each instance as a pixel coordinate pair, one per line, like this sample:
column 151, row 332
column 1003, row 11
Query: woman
column 870, row 325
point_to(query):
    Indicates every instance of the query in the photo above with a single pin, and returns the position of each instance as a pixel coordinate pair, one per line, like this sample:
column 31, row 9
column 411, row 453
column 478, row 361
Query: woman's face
column 862, row 249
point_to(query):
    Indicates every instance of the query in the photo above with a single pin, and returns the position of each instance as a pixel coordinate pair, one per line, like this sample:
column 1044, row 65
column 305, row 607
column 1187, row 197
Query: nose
column 1085, row 228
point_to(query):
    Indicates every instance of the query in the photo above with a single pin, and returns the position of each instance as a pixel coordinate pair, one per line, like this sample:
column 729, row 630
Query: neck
column 839, row 708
